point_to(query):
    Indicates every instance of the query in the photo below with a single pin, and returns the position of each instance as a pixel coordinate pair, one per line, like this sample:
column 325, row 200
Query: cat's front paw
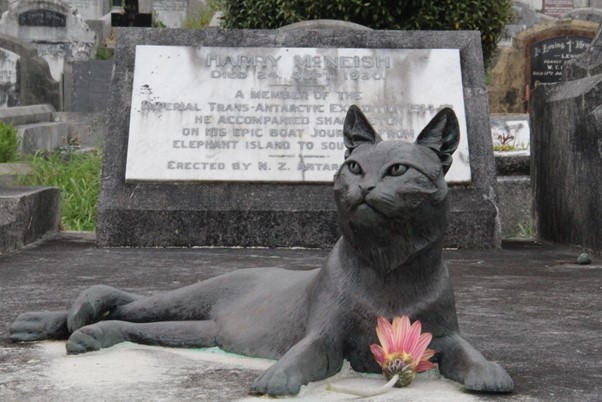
column 277, row 381
column 94, row 337
column 488, row 377
column 36, row 326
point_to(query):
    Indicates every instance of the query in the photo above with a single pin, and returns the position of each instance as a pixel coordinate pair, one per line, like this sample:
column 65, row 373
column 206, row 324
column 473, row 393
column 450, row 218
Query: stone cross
column 131, row 17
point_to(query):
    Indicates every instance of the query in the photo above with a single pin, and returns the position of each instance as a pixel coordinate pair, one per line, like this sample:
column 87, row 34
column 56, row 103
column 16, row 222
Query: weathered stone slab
column 42, row 136
column 566, row 147
column 26, row 114
column 27, row 214
column 25, row 78
column 276, row 114
column 277, row 213
column 91, row 82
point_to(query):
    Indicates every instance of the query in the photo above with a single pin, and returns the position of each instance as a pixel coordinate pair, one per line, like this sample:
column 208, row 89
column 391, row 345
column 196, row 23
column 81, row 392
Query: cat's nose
column 365, row 189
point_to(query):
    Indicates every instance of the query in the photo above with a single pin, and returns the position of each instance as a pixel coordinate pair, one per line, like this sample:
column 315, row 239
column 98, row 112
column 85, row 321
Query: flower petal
column 421, row 345
column 384, row 331
column 428, row 354
column 424, row 366
column 379, row 353
column 401, row 331
column 411, row 338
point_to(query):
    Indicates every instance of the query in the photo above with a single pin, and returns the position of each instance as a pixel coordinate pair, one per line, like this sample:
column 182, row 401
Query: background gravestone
column 171, row 12
column 53, row 29
column 25, row 76
column 566, row 144
column 275, row 214
column 537, row 54
column 90, row 9
column 556, row 8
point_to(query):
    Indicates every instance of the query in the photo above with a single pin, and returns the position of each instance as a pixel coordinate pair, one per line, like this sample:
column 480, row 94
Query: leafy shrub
column 9, row 142
column 77, row 175
column 487, row 16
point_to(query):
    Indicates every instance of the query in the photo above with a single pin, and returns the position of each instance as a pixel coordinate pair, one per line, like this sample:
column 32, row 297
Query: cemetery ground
column 529, row 307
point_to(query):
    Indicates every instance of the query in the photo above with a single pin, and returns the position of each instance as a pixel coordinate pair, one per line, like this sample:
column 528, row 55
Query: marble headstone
column 276, row 114
column 180, row 98
column 53, row 28
column 171, row 12
column 90, row 9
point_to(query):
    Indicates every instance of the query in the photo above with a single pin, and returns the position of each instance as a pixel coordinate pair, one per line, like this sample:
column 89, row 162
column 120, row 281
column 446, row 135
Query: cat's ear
column 442, row 135
column 357, row 130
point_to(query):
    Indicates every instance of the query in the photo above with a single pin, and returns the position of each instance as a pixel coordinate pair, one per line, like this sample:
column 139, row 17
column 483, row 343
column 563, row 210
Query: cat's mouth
column 364, row 214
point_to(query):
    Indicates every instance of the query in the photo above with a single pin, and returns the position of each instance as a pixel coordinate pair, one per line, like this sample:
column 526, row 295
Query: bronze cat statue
column 392, row 207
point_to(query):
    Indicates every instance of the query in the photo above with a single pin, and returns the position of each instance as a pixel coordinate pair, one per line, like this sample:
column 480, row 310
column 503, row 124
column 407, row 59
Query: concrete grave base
column 276, row 214
column 27, row 214
column 128, row 371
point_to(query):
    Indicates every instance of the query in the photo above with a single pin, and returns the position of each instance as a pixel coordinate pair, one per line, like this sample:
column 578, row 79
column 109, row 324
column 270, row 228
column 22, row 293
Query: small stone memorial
column 232, row 137
column 557, row 8
column 53, row 29
column 171, row 12
column 25, row 77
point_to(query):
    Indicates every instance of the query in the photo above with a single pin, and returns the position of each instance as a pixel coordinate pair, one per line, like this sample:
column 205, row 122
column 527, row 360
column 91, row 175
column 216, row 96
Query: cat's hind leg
column 95, row 304
column 463, row 363
column 37, row 326
column 182, row 334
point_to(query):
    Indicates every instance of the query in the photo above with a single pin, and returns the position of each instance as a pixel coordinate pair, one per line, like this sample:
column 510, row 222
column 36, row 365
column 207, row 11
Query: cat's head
column 391, row 195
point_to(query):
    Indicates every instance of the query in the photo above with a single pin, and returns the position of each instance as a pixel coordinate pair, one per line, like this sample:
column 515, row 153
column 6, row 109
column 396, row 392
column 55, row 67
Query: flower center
column 400, row 363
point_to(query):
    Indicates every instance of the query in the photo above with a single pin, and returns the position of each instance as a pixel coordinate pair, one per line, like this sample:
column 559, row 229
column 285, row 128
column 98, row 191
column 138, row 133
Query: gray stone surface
column 35, row 82
column 85, row 129
column 515, row 202
column 26, row 215
column 566, row 147
column 550, row 345
column 26, row 114
column 276, row 215
column 42, row 136
column 91, row 82
column 512, row 163
column 9, row 172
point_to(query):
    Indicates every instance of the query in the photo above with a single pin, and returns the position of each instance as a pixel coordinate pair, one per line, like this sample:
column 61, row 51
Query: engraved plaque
column 276, row 114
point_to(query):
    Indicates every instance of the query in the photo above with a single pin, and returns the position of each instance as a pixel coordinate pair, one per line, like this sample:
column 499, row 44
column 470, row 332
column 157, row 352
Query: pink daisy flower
column 403, row 349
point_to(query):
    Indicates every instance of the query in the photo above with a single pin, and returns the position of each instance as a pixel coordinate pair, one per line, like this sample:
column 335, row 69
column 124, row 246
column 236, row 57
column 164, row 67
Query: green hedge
column 487, row 16
column 9, row 143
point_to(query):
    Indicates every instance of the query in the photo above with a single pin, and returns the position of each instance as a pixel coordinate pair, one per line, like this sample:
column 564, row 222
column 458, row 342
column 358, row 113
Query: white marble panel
column 171, row 12
column 9, row 81
column 276, row 114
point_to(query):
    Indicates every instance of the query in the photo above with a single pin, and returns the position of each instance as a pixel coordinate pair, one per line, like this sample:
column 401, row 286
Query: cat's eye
column 397, row 170
column 354, row 167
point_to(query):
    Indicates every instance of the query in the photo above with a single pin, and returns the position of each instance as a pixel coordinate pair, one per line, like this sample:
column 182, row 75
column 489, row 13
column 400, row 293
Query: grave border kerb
column 118, row 196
